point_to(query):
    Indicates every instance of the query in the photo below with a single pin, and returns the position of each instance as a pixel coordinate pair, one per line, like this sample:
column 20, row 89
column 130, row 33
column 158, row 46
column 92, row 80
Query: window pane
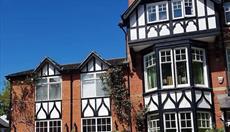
column 55, row 91
column 153, row 123
column 167, row 74
column 151, row 75
column 181, row 68
column 177, row 10
column 41, row 92
column 88, row 88
column 188, row 7
column 162, row 12
column 227, row 16
column 198, row 72
column 100, row 88
column 152, row 13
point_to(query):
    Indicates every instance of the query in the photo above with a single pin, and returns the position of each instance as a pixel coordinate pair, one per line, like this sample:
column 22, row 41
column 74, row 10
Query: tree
column 5, row 99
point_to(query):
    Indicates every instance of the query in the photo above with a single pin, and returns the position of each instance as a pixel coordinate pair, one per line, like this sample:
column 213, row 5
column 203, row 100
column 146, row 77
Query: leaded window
column 150, row 71
column 96, row 125
column 199, row 67
column 204, row 121
column 153, row 123
column 48, row 88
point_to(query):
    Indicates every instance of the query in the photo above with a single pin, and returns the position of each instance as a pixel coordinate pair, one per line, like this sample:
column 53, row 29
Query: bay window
column 204, row 121
column 92, row 85
column 227, row 12
column 48, row 88
column 150, row 71
column 199, row 67
column 153, row 123
column 157, row 12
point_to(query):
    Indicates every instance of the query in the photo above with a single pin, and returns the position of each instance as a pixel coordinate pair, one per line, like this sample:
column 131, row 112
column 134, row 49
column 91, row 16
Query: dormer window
column 157, row 12
column 227, row 12
column 182, row 8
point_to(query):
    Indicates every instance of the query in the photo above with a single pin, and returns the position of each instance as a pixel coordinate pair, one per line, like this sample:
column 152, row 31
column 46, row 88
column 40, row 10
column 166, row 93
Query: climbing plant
column 115, row 82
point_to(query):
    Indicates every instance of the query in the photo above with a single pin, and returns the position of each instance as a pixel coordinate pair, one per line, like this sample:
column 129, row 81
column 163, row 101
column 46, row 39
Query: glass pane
column 227, row 16
column 181, row 68
column 188, row 10
column 151, row 76
column 152, row 13
column 41, row 92
column 162, row 15
column 55, row 91
column 100, row 88
column 167, row 74
column 198, row 72
column 177, row 9
column 88, row 89
column 54, row 79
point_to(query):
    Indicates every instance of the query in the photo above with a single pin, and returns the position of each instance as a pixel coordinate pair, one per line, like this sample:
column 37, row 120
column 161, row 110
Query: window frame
column 204, row 68
column 155, row 121
column 172, row 68
column 147, row 89
column 210, row 120
column 176, row 121
column 187, row 67
column 94, row 78
column 191, row 119
column 48, row 88
column 183, row 9
column 96, row 124
column 226, row 5
column 48, row 124
column 157, row 11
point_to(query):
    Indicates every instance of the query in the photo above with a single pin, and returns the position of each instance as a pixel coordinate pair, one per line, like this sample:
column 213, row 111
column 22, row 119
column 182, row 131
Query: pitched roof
column 67, row 67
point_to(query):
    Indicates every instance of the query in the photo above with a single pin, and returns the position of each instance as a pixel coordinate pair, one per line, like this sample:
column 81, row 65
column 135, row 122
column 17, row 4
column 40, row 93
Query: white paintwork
column 152, row 32
column 90, row 66
column 200, row 8
column 184, row 103
column 133, row 22
column 83, row 104
column 107, row 102
column 191, row 27
column 208, row 96
column 155, row 98
column 169, row 104
column 151, row 105
column 164, row 31
column 212, row 22
column 133, row 34
column 103, row 111
column 203, row 104
column 141, row 16
column 92, row 102
column 88, row 112
column 41, row 114
column 37, row 107
column 98, row 102
column 202, row 24
column 141, row 33
column 51, row 70
column 210, row 7
column 198, row 95
column 54, row 114
column 178, row 28
column 98, row 65
column 44, row 71
column 84, row 69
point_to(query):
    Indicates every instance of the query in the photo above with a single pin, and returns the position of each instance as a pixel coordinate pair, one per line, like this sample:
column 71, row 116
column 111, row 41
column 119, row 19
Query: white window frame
column 187, row 67
column 176, row 120
column 210, row 120
column 157, row 11
column 204, row 68
column 94, row 74
column 226, row 5
column 95, row 118
column 192, row 123
column 147, row 89
column 48, row 124
column 172, row 68
column 48, row 87
column 155, row 122
column 183, row 9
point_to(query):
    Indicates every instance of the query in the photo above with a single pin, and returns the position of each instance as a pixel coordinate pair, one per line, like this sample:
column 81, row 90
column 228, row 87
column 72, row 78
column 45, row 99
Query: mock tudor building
column 177, row 65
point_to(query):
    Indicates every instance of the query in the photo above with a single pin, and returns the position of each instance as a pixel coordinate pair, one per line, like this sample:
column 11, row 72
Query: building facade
column 177, row 65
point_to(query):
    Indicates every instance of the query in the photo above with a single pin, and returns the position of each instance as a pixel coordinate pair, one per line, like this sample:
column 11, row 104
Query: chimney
column 130, row 2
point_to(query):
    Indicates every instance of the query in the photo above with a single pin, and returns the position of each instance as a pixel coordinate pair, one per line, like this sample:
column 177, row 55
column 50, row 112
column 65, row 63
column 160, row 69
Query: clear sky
column 65, row 30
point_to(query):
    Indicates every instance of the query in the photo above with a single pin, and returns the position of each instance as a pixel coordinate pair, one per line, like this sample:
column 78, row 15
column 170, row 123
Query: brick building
column 178, row 65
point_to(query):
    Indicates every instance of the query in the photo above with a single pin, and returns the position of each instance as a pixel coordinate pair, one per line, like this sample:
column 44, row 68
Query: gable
column 94, row 64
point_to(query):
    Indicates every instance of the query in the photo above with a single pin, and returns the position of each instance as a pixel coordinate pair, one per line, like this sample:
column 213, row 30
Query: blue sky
column 65, row 30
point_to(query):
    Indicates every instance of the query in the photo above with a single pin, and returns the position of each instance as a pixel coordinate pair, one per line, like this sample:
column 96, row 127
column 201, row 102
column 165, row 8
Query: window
column 153, row 123
column 204, row 121
column 170, row 122
column 181, row 61
column 227, row 12
column 150, row 71
column 48, row 88
column 228, row 64
column 177, row 9
column 186, row 122
column 157, row 12
column 166, row 65
column 199, row 67
column 182, row 8
column 92, row 85
column 96, row 125
column 48, row 126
